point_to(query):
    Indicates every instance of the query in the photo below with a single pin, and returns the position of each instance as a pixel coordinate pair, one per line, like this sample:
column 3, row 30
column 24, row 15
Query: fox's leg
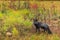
column 38, row 30
column 45, row 29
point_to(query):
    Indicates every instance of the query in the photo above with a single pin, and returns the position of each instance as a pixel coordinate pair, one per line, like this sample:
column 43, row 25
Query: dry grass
column 21, row 29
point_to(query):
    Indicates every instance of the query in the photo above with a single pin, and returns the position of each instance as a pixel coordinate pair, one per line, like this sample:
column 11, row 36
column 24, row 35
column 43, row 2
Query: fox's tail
column 49, row 31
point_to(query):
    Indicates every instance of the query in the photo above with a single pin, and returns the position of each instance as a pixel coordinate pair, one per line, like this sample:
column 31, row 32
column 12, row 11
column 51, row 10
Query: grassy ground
column 14, row 20
column 19, row 23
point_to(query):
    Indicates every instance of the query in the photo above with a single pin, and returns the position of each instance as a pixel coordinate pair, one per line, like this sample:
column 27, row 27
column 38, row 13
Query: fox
column 40, row 25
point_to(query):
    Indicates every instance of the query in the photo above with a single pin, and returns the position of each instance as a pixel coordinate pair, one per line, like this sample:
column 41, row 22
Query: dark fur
column 39, row 25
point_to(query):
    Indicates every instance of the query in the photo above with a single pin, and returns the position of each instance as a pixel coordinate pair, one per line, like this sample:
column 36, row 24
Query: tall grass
column 19, row 23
